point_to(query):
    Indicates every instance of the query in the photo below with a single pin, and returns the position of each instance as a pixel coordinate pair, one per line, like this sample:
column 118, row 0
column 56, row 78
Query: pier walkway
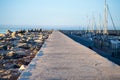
column 61, row 58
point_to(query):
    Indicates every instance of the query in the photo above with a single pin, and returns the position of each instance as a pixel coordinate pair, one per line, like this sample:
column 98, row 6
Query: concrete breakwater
column 17, row 49
column 61, row 58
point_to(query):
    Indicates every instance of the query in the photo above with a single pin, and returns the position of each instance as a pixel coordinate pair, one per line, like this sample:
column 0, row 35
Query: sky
column 57, row 13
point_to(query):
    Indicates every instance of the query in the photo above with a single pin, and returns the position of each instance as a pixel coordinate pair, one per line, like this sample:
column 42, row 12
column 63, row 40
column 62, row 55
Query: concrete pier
column 61, row 58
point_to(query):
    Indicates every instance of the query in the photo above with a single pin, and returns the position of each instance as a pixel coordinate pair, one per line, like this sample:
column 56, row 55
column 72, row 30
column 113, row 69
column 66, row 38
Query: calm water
column 4, row 28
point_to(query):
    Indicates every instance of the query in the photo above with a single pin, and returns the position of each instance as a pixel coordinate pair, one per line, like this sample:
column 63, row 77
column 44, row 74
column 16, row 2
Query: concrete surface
column 61, row 58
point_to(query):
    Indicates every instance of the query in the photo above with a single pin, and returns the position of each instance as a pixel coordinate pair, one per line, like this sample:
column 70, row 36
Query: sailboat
column 105, row 41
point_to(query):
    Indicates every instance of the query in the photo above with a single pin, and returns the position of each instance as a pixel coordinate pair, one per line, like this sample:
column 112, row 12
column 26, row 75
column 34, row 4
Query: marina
column 99, row 36
column 59, row 40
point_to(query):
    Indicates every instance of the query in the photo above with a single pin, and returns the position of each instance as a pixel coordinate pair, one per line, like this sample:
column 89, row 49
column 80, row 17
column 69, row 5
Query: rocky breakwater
column 17, row 49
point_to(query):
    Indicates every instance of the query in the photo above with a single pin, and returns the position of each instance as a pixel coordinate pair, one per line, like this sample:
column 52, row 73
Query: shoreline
column 17, row 49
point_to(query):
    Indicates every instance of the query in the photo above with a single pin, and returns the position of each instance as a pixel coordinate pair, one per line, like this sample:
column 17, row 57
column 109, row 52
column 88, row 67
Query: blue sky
column 56, row 12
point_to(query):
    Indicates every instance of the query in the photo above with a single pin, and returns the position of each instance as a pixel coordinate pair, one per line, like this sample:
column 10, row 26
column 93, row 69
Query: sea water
column 4, row 28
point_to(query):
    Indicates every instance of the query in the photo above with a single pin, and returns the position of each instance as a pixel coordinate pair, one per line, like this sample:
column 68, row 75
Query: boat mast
column 92, row 26
column 111, row 19
column 87, row 25
column 105, row 19
column 99, row 27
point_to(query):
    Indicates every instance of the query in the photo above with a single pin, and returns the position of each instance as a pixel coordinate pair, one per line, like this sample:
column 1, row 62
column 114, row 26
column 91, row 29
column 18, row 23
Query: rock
column 22, row 68
column 19, row 45
column 21, row 31
column 30, row 41
column 3, row 47
column 18, row 49
column 9, row 47
column 15, row 49
column 23, row 40
column 15, row 54
column 8, row 65
column 15, row 74
column 8, row 32
column 41, row 36
column 40, row 30
column 14, row 35
column 1, row 66
column 21, row 53
column 27, row 33
column 7, row 39
column 3, row 53
column 39, row 41
column 13, row 39
column 20, row 35
column 6, row 77
column 32, row 48
column 45, row 37
column 1, row 36
column 16, row 66
column 1, row 57
column 11, row 74
column 27, row 60
column 1, row 71
column 15, row 43
column 10, row 54
column 24, row 45
column 35, row 51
